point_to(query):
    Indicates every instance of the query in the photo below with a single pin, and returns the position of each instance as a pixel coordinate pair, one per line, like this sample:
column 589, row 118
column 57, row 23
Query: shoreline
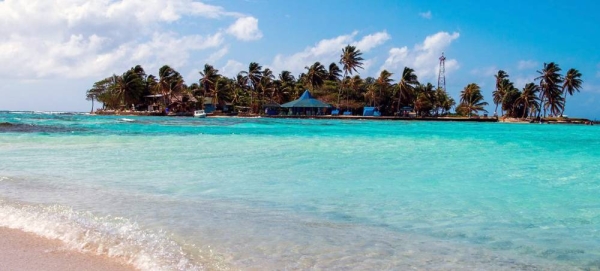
column 20, row 250
column 341, row 117
column 579, row 121
column 457, row 119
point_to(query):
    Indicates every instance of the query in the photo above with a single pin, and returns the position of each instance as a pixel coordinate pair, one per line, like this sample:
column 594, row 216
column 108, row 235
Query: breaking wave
column 115, row 237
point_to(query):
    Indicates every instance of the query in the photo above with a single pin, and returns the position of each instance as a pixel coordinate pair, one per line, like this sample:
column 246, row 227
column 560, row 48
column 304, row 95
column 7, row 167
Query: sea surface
column 167, row 193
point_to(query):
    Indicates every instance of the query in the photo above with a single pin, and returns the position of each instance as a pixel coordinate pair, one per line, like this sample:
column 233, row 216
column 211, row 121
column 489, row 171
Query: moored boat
column 199, row 114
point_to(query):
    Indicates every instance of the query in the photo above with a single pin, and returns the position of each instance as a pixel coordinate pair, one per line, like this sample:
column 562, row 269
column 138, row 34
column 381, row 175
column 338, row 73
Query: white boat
column 199, row 114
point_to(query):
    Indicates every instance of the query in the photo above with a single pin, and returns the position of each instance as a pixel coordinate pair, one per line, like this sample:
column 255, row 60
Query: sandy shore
column 26, row 251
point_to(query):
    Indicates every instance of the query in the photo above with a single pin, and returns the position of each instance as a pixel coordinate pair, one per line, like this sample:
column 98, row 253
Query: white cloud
column 369, row 42
column 426, row 15
column 527, row 64
column 231, row 68
column 329, row 50
column 424, row 58
column 173, row 49
column 521, row 81
column 245, row 28
column 367, row 64
column 92, row 38
column 397, row 55
column 485, row 71
column 215, row 56
column 592, row 88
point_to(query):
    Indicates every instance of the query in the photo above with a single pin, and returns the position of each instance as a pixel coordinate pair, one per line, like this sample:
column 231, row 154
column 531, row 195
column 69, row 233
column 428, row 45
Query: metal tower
column 442, row 73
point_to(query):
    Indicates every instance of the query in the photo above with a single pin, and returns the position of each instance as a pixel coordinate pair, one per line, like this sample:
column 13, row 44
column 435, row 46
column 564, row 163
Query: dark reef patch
column 7, row 127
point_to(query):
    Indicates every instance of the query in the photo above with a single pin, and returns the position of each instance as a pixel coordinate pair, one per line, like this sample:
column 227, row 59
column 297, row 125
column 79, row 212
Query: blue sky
column 53, row 51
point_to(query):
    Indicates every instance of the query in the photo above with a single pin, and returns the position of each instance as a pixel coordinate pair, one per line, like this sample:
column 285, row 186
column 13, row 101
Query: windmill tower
column 442, row 73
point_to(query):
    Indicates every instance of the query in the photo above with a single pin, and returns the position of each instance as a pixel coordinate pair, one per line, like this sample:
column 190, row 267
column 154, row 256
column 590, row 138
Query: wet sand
column 26, row 251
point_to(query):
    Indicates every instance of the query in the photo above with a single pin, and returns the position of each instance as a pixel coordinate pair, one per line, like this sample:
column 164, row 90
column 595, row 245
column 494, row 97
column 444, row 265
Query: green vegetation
column 256, row 87
column 549, row 96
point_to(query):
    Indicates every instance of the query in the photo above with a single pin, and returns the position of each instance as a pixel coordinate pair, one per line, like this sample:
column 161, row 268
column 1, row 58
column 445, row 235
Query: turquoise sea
column 279, row 194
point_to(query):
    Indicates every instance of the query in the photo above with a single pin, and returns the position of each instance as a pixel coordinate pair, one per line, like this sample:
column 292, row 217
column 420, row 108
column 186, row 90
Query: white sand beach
column 26, row 251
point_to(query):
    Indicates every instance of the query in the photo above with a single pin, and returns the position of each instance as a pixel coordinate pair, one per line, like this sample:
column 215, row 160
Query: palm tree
column 220, row 88
column 424, row 98
column 265, row 85
column 371, row 94
column 529, row 99
column 209, row 77
column 509, row 95
column 510, row 102
column 572, row 83
column 170, row 82
column 449, row 104
column 288, row 83
column 277, row 94
column 471, row 99
column 351, row 60
column 334, row 72
column 499, row 93
column 132, row 87
column 354, row 83
column 554, row 102
column 139, row 71
column 315, row 75
column 195, row 91
column 252, row 78
column 238, row 87
column 126, row 88
column 408, row 81
column 550, row 92
column 443, row 101
column 383, row 82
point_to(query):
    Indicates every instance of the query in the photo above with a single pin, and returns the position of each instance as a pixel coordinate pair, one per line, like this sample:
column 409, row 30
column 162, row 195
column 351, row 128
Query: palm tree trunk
column 540, row 110
column 377, row 99
column 399, row 98
column 564, row 106
column 348, row 99
column 545, row 111
column 252, row 99
column 340, row 91
column 92, row 111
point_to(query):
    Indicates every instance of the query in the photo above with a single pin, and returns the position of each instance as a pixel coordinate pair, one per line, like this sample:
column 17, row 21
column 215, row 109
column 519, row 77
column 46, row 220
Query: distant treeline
column 342, row 87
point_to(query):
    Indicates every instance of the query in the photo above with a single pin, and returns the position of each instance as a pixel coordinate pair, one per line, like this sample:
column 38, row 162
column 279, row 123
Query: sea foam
column 115, row 237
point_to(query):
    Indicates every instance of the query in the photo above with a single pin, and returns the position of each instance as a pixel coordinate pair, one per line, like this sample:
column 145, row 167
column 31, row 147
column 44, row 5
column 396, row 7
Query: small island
column 258, row 92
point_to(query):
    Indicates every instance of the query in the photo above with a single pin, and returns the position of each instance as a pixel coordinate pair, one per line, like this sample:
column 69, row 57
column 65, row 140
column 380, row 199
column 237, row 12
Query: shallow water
column 257, row 194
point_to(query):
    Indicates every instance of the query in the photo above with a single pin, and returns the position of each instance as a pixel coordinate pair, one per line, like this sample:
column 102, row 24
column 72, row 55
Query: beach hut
column 208, row 105
column 154, row 102
column 306, row 105
column 271, row 108
column 218, row 106
column 371, row 111
column 242, row 110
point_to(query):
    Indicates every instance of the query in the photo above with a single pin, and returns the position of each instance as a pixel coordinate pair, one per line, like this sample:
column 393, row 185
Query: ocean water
column 276, row 194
